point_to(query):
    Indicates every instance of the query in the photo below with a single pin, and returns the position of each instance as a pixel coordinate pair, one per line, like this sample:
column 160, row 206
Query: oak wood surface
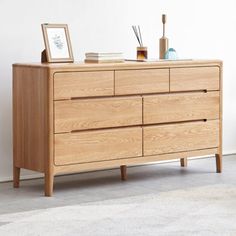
column 219, row 154
column 38, row 87
column 128, row 65
column 141, row 81
column 83, row 84
column 180, row 137
column 99, row 165
column 30, row 118
column 196, row 78
column 49, row 159
column 89, row 146
column 49, row 182
column 218, row 162
column 97, row 113
column 180, row 107
column 221, row 118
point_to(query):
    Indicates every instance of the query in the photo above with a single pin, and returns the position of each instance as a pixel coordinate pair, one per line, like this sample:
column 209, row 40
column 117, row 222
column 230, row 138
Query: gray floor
column 105, row 185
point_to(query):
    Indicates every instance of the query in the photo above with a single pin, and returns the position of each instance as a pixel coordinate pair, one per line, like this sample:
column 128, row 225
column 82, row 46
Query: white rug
column 208, row 210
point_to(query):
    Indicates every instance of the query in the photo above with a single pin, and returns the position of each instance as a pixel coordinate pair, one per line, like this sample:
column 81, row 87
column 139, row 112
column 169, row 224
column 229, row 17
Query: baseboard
column 37, row 175
column 227, row 153
column 23, row 177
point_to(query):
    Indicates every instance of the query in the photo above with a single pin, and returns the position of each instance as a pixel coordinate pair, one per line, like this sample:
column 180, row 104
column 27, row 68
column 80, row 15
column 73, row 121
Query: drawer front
column 82, row 147
column 180, row 107
column 141, row 81
column 198, row 78
column 83, row 84
column 97, row 113
column 180, row 137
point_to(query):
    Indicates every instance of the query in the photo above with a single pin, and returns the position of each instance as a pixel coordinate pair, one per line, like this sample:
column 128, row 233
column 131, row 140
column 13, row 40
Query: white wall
column 196, row 29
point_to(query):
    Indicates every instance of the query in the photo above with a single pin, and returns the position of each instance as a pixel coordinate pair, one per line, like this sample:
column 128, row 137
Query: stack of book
column 93, row 57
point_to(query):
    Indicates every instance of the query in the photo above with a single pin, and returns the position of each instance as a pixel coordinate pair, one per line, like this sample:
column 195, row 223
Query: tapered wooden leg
column 183, row 162
column 16, row 177
column 49, row 179
column 218, row 163
column 123, row 172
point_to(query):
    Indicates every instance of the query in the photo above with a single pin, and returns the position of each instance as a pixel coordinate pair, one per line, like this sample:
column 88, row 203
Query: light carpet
column 208, row 210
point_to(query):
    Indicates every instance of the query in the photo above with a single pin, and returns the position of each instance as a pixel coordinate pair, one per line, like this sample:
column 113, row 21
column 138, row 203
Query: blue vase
column 171, row 54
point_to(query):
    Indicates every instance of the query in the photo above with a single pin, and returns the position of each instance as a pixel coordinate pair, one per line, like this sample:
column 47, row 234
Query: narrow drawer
column 83, row 84
column 197, row 78
column 180, row 137
column 141, row 81
column 82, row 147
column 97, row 113
column 180, row 107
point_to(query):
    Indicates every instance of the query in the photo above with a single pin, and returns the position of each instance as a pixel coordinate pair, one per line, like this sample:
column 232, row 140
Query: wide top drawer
column 195, row 78
column 141, row 81
column 83, row 84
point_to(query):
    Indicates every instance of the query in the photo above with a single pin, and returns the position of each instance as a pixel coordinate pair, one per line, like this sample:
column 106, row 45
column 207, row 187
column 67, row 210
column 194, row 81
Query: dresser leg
column 49, row 179
column 123, row 172
column 218, row 163
column 16, row 177
column 183, row 162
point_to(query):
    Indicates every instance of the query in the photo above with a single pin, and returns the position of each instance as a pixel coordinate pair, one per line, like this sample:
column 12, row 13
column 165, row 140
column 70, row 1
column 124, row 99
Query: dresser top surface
column 123, row 65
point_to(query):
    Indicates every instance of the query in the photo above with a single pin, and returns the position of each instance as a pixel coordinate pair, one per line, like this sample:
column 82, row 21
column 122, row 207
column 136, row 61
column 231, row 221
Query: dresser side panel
column 221, row 110
column 30, row 117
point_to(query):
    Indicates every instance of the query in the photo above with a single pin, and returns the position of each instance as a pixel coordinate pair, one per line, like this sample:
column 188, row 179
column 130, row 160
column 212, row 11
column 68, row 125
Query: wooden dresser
column 79, row 117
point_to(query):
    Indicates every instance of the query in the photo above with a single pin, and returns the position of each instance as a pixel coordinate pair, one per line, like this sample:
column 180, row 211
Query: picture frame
column 57, row 43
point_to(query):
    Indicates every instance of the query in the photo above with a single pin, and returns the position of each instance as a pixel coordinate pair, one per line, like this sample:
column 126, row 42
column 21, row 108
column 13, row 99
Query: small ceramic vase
column 171, row 54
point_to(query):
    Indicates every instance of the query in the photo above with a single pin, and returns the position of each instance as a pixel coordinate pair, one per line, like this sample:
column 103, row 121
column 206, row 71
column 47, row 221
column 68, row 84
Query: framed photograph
column 57, row 43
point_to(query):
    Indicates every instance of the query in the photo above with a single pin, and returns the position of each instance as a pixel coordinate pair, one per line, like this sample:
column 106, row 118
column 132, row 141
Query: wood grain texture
column 37, row 86
column 180, row 107
column 141, row 81
column 80, row 147
column 97, row 113
column 83, row 84
column 196, row 78
column 180, row 137
column 49, row 160
column 132, row 161
column 127, row 65
column 30, row 118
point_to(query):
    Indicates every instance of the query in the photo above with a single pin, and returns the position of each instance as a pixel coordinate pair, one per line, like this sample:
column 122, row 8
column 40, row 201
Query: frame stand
column 44, row 56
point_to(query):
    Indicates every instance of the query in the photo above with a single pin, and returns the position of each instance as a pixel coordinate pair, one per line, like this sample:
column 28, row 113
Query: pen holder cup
column 142, row 53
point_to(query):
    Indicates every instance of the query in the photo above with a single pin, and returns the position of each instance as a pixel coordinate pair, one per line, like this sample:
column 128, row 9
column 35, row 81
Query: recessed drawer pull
column 180, row 137
column 194, row 78
column 141, row 81
column 83, row 84
column 86, row 114
column 101, row 145
column 180, row 107
column 77, row 117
